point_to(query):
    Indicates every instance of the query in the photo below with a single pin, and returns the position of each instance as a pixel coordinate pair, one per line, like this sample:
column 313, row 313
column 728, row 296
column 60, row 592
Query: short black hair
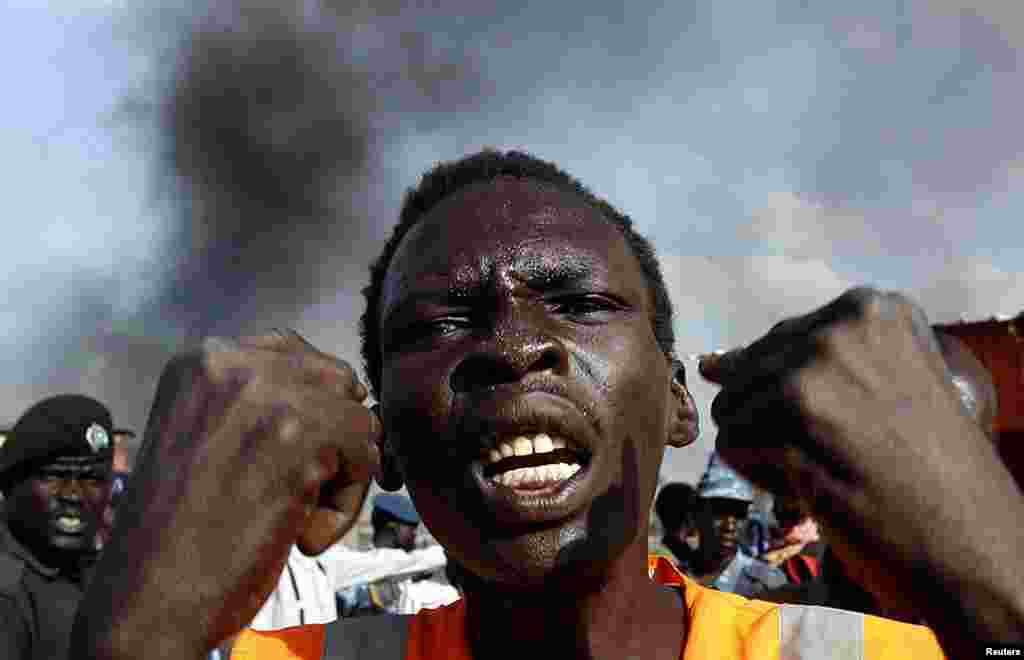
column 448, row 178
column 676, row 506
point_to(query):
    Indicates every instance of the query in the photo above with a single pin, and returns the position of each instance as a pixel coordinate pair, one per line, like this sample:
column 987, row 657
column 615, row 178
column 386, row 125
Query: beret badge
column 97, row 438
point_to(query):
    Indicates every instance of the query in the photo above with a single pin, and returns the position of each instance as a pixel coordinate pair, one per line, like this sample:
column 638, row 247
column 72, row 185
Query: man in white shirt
column 382, row 579
column 304, row 595
column 388, row 578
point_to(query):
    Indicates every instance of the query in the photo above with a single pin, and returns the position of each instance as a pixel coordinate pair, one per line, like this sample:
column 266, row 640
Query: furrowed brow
column 474, row 283
column 549, row 277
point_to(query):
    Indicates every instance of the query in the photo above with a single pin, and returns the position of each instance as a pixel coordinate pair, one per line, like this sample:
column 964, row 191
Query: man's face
column 727, row 518
column 405, row 537
column 522, row 382
column 60, row 505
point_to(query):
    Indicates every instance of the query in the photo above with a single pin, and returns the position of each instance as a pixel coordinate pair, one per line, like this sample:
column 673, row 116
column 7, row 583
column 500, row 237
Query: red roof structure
column 999, row 344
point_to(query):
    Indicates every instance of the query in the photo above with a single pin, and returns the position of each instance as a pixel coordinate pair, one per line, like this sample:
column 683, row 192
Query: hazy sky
column 776, row 153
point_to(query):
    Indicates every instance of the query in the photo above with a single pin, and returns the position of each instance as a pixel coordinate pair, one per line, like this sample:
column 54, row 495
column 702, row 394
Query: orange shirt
column 722, row 626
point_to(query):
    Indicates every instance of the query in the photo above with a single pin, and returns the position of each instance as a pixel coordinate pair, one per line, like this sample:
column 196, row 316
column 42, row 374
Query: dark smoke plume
column 271, row 120
column 272, row 125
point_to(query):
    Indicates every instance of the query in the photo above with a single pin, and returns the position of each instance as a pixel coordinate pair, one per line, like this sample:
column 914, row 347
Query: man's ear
column 683, row 422
column 390, row 477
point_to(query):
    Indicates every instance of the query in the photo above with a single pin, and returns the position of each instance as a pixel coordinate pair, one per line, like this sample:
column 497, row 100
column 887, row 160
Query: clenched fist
column 851, row 409
column 252, row 446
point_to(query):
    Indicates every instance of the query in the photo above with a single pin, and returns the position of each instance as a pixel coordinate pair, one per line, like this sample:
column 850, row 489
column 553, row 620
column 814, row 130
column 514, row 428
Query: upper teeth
column 522, row 445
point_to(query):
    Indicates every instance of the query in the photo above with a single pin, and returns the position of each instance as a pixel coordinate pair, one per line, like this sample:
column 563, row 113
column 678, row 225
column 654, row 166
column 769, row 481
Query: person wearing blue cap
column 55, row 474
column 721, row 561
column 394, row 521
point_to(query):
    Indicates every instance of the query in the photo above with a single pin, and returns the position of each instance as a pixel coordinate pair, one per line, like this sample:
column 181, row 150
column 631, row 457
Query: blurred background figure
column 797, row 548
column 724, row 498
column 676, row 508
column 120, row 472
column 395, row 576
column 761, row 527
column 55, row 474
column 394, row 521
column 304, row 595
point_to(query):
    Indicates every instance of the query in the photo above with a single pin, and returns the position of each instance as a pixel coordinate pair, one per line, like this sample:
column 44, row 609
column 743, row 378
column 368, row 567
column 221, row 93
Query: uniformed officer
column 722, row 563
column 55, row 474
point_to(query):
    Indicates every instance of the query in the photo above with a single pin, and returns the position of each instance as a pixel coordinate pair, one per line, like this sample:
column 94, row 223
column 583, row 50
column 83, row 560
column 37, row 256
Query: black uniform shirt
column 37, row 603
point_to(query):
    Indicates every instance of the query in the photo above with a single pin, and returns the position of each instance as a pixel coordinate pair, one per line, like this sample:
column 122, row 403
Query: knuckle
column 798, row 387
column 886, row 308
column 311, row 476
column 909, row 308
column 331, row 372
column 831, row 341
column 868, row 301
column 345, row 371
column 217, row 361
column 290, row 426
column 270, row 409
column 862, row 294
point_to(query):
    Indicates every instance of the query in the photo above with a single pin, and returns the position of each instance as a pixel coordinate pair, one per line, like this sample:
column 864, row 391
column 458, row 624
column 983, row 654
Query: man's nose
column 511, row 350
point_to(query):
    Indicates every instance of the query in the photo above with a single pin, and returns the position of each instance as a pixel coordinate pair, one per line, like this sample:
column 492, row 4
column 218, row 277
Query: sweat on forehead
column 540, row 238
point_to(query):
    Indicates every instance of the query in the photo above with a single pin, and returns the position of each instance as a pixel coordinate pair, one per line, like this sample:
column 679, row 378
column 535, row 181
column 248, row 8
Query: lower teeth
column 537, row 476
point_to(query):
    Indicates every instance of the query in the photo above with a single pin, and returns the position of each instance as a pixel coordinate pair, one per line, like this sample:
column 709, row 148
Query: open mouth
column 532, row 462
column 535, row 459
column 70, row 524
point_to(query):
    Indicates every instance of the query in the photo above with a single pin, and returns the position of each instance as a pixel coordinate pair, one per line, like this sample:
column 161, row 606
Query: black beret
column 63, row 425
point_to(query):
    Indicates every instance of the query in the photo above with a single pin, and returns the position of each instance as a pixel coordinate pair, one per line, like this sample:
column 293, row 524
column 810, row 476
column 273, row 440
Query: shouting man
column 518, row 336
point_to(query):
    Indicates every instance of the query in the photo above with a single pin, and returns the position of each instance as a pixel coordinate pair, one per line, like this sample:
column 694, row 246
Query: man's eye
column 439, row 327
column 418, row 332
column 582, row 306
